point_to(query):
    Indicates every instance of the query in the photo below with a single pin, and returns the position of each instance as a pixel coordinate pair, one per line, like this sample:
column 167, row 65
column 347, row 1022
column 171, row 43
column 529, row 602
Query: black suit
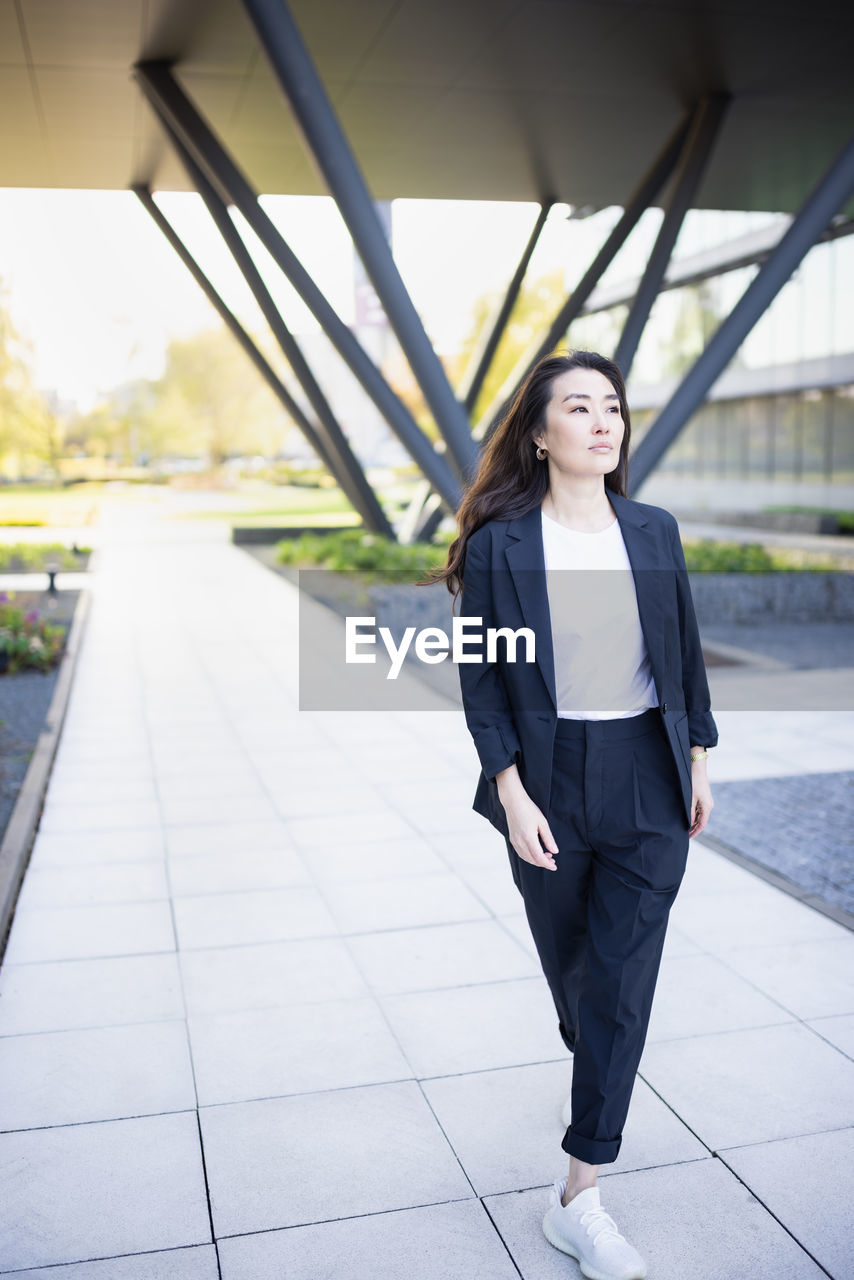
column 510, row 707
column 616, row 794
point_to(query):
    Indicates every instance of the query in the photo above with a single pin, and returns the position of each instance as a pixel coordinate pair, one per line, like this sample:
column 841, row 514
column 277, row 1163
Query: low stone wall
column 718, row 597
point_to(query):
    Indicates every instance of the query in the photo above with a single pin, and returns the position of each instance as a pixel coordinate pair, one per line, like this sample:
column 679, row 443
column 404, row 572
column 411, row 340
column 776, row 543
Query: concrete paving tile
column 63, row 994
column 320, row 831
column 197, row 1262
column 54, row 886
column 689, row 1222
column 101, row 1073
column 89, row 789
column 365, row 906
column 230, row 837
column 224, row 873
column 272, row 1163
column 756, row 915
column 454, row 1241
column 130, row 752
column 180, row 762
column 113, row 816
column 481, row 849
column 806, row 1183
column 359, row 859
column 506, row 1129
column 264, row 1053
column 200, row 786
column 676, row 944
column 258, row 915
column 433, row 819
column 698, row 994
column 77, row 933
column 222, row 808
column 838, row 1030
column 753, row 1086
column 306, row 801
column 92, row 1190
column 810, row 978
column 497, row 1024
column 708, row 873
column 439, row 956
column 270, row 974
column 412, row 762
column 55, row 849
column 517, row 926
column 495, row 887
column 456, row 791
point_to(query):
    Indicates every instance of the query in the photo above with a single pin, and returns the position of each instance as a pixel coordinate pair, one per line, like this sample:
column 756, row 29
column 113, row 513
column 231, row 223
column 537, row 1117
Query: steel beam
column 493, row 331
column 172, row 104
column 348, row 470
column 293, row 67
column 639, row 202
column 829, row 195
column 234, row 326
column 699, row 144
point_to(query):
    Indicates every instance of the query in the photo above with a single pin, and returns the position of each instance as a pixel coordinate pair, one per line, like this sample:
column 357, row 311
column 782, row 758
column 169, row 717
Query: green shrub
column 359, row 551
column 27, row 640
column 33, row 557
column 709, row 556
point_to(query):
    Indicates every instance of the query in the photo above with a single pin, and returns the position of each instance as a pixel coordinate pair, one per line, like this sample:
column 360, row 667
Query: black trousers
column 600, row 919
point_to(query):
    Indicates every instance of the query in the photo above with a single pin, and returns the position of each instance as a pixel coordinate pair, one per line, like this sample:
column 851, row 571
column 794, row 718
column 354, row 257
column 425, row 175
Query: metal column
column 348, row 470
column 639, row 202
column 833, row 190
column 172, row 104
column 234, row 326
column 698, row 148
column 493, row 332
column 292, row 64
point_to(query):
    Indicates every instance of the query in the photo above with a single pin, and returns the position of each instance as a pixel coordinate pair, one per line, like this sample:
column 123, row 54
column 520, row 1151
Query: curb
column 779, row 881
column 23, row 822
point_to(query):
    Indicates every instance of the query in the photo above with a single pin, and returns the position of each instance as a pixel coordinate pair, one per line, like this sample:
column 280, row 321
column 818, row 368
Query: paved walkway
column 270, row 1007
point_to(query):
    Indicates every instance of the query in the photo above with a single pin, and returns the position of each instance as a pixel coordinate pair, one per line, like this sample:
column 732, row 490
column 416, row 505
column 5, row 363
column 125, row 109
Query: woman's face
column 584, row 425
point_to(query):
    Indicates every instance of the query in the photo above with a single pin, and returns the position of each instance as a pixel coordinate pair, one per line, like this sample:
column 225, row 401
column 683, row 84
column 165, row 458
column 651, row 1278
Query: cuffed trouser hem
column 590, row 1150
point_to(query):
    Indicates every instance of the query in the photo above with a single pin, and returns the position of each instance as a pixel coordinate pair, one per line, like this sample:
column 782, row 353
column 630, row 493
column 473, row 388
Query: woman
column 594, row 755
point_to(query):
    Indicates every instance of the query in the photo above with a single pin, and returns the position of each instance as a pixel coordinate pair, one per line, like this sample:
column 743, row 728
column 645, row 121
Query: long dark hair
column 510, row 479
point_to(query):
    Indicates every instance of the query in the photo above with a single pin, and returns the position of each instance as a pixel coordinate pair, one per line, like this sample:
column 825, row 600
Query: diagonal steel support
column 234, row 326
column 347, row 471
column 699, row 144
column 648, row 188
column 493, row 332
column 829, row 195
column 292, row 64
column 172, row 104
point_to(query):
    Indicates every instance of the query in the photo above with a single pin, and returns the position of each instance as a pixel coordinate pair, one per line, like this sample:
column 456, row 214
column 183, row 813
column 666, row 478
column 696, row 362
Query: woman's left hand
column 701, row 798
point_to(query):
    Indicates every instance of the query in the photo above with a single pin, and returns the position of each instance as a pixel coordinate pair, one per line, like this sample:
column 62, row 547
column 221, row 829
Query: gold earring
column 541, row 452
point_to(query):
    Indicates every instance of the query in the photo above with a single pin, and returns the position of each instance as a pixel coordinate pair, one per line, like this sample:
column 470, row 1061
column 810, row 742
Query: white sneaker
column 584, row 1230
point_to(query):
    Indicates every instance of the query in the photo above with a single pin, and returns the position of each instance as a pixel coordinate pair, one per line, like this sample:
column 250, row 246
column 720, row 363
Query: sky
column 97, row 293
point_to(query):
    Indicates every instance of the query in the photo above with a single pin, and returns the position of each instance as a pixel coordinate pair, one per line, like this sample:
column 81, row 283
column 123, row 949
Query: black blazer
column 511, row 707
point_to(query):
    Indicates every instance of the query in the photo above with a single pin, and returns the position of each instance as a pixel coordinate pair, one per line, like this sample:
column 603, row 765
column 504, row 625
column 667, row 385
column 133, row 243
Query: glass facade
column 784, row 409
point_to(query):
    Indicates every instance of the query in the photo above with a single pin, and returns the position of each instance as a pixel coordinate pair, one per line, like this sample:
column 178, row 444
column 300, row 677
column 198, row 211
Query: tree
column 29, row 430
column 535, row 309
column 211, row 400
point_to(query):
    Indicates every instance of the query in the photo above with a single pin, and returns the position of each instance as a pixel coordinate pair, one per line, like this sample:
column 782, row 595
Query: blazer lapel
column 526, row 559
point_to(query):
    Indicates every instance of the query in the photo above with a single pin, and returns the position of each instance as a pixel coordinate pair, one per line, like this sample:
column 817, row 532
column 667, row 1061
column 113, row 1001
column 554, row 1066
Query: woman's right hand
column 526, row 822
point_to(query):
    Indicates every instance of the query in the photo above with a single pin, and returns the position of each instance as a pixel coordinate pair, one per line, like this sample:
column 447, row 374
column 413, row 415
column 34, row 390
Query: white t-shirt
column 602, row 668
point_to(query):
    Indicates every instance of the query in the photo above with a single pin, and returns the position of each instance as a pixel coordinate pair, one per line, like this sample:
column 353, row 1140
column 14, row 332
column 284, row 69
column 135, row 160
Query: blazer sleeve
column 487, row 709
column 702, row 730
